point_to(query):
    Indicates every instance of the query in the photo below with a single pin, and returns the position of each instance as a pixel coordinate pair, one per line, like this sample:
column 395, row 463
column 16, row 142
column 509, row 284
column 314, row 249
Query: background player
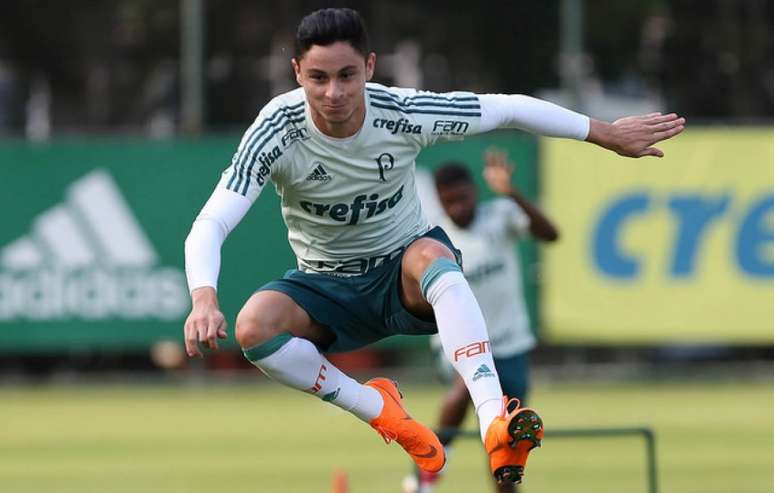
column 369, row 264
column 487, row 234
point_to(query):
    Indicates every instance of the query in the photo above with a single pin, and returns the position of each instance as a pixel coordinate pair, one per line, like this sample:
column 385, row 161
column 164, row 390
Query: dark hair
column 326, row 26
column 452, row 173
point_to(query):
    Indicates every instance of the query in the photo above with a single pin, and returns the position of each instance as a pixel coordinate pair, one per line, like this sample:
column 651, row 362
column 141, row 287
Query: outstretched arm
column 498, row 171
column 633, row 136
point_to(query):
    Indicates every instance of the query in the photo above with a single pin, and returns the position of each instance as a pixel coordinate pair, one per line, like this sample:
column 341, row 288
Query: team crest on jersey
column 319, row 174
column 293, row 135
column 385, row 162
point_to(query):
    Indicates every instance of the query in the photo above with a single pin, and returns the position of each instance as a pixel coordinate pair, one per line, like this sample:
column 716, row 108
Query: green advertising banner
column 91, row 248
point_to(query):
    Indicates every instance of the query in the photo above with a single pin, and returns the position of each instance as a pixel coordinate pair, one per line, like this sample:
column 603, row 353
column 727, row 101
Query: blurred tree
column 113, row 65
column 718, row 59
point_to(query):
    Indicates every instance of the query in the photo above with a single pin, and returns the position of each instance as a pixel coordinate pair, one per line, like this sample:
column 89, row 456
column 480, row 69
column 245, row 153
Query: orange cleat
column 394, row 423
column 509, row 440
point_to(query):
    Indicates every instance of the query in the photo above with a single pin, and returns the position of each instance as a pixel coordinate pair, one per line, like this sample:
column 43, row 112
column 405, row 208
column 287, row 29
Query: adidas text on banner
column 85, row 257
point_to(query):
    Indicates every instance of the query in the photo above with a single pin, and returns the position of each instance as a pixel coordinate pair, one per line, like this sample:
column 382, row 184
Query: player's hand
column 498, row 171
column 205, row 324
column 634, row 136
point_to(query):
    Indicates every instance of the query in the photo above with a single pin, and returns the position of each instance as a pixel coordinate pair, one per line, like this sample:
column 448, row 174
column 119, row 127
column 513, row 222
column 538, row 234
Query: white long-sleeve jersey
column 350, row 203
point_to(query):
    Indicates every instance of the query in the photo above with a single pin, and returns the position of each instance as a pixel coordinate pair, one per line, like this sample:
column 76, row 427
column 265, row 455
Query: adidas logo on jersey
column 319, row 174
column 88, row 257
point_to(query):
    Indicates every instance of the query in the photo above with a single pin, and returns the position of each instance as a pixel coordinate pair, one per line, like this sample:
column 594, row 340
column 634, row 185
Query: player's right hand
column 498, row 172
column 205, row 324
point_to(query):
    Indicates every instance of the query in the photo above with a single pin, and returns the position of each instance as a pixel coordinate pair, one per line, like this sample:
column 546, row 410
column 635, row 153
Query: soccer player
column 487, row 234
column 340, row 152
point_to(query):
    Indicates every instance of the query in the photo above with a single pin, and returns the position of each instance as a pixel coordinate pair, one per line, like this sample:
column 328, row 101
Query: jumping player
column 340, row 153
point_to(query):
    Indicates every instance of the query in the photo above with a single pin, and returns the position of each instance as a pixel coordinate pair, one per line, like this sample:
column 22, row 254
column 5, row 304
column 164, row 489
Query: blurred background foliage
column 83, row 66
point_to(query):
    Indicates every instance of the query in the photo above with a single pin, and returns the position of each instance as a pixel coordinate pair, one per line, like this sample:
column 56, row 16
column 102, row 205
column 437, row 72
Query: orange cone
column 340, row 484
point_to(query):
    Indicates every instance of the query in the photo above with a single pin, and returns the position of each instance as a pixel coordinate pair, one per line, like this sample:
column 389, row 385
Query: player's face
column 333, row 78
column 459, row 202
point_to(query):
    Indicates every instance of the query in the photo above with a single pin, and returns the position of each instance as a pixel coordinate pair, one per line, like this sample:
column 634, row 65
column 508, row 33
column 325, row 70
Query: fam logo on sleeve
column 450, row 127
column 294, row 134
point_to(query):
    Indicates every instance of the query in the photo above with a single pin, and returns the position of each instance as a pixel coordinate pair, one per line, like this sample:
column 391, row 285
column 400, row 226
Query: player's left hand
column 498, row 171
column 634, row 136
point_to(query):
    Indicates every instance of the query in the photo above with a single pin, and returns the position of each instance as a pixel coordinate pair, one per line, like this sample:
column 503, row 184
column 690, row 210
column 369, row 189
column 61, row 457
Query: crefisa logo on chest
column 362, row 205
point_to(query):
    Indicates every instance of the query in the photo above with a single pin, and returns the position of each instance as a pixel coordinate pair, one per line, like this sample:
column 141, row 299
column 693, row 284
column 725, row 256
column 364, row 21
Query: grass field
column 712, row 438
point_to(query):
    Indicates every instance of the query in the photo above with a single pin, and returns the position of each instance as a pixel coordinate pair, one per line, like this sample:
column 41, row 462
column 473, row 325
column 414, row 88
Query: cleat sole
column 510, row 445
column 509, row 474
column 525, row 427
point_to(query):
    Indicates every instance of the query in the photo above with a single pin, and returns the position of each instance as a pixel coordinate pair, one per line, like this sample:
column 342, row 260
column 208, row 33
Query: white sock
column 298, row 364
column 464, row 338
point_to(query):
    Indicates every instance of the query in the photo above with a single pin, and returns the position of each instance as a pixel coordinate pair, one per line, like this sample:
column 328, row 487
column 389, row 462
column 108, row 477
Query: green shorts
column 360, row 309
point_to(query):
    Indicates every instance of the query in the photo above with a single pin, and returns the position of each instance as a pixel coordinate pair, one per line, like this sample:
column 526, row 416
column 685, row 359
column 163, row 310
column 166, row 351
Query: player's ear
column 296, row 69
column 370, row 65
